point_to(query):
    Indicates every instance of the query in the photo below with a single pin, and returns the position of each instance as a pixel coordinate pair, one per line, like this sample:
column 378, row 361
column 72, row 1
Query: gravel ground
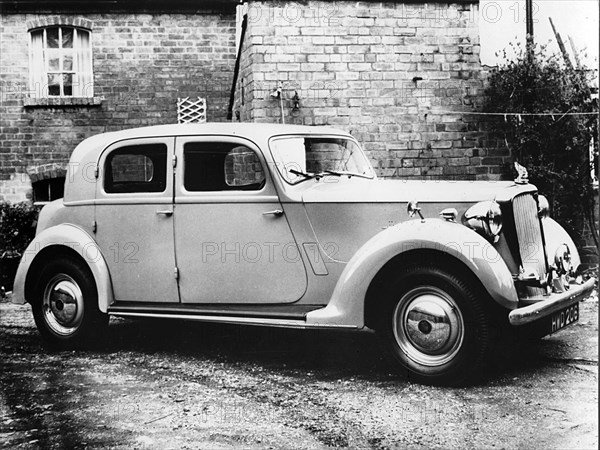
column 166, row 384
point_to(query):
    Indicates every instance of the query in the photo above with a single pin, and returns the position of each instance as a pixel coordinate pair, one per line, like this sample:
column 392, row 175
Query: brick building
column 401, row 76
column 143, row 57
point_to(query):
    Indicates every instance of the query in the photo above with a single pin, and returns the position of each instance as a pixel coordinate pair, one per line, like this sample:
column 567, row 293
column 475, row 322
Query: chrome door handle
column 165, row 212
column 275, row 212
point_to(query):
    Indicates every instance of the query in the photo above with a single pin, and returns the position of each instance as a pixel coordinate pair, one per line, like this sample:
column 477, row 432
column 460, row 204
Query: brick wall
column 142, row 64
column 242, row 167
column 394, row 74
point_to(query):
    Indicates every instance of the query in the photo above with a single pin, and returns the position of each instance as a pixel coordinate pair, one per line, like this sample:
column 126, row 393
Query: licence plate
column 564, row 317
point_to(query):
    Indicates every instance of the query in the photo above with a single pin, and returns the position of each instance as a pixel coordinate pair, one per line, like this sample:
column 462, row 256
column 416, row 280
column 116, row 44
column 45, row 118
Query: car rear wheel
column 65, row 305
column 434, row 326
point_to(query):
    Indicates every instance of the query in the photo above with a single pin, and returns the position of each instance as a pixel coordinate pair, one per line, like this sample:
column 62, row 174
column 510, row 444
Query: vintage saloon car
column 289, row 226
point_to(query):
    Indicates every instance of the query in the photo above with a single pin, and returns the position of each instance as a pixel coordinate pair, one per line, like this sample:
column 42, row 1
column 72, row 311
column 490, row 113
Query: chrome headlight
column 543, row 207
column 485, row 218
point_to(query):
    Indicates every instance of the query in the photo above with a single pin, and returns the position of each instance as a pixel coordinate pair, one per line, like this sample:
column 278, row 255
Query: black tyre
column 65, row 305
column 434, row 326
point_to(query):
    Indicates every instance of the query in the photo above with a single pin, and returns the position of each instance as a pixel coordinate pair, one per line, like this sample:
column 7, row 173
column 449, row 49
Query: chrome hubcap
column 428, row 326
column 63, row 305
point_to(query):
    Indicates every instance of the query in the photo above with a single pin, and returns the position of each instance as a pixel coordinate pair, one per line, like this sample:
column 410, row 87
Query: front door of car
column 233, row 244
column 134, row 219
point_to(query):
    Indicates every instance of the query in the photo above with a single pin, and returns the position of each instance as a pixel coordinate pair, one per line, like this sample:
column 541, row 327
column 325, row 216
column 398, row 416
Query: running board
column 261, row 311
column 259, row 321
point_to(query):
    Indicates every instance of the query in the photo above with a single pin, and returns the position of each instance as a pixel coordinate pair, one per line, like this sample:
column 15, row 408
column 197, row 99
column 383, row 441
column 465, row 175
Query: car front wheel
column 435, row 326
column 65, row 307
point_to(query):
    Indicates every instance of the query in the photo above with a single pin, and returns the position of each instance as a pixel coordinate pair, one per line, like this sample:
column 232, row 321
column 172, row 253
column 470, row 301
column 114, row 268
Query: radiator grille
column 529, row 236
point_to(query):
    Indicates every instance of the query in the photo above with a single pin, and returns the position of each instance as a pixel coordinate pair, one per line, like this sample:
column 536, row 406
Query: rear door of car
column 134, row 219
column 233, row 244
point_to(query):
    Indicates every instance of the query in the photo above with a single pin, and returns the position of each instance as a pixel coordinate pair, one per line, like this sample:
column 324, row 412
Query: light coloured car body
column 302, row 255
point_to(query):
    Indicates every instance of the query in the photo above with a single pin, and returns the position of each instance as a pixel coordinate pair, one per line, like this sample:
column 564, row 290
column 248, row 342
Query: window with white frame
column 61, row 62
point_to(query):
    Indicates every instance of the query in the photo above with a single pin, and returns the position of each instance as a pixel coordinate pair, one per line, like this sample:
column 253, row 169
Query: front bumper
column 551, row 304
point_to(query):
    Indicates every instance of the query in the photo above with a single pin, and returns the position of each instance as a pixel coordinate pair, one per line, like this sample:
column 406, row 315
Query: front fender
column 346, row 306
column 74, row 238
column 555, row 236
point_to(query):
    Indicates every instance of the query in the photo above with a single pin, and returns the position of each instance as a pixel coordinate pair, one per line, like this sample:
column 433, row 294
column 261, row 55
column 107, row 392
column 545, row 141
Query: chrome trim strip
column 554, row 303
column 282, row 323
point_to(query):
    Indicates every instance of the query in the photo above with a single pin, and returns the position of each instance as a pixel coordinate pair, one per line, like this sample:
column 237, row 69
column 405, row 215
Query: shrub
column 17, row 229
column 554, row 147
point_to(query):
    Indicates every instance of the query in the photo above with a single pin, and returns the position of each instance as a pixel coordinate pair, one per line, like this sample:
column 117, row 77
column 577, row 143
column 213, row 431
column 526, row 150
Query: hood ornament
column 522, row 175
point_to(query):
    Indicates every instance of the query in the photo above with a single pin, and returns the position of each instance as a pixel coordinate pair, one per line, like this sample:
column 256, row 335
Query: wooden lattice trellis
column 191, row 110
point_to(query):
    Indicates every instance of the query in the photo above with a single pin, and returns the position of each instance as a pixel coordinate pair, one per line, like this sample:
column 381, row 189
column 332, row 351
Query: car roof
column 258, row 132
column 86, row 154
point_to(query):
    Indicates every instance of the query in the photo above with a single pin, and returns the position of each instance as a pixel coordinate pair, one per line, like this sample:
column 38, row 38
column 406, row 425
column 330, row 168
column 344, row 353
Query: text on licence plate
column 565, row 317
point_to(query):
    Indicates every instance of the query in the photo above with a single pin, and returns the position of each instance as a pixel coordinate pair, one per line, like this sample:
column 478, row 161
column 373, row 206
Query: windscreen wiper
column 339, row 173
column 306, row 175
column 319, row 175
column 333, row 172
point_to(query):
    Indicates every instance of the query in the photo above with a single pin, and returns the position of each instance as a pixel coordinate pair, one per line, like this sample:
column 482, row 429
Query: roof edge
column 117, row 6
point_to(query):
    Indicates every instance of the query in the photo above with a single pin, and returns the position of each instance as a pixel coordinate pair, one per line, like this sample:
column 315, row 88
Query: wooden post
column 529, row 19
column 561, row 45
column 529, row 27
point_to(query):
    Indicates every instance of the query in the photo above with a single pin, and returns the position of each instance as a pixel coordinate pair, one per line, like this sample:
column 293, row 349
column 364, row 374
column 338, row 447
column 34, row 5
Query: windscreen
column 300, row 158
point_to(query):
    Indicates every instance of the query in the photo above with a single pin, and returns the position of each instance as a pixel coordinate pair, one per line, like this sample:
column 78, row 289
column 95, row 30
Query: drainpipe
column 236, row 70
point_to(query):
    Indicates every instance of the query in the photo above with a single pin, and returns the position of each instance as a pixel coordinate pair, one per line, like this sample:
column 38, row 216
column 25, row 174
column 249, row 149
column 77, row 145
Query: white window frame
column 81, row 71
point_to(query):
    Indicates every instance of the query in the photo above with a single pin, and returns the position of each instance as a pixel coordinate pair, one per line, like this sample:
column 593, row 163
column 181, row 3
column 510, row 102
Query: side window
column 220, row 166
column 139, row 168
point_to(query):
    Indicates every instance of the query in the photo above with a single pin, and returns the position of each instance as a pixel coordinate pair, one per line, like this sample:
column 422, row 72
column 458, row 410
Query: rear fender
column 63, row 237
column 347, row 304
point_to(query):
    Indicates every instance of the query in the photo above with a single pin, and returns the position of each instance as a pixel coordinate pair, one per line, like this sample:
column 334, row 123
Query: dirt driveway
column 184, row 385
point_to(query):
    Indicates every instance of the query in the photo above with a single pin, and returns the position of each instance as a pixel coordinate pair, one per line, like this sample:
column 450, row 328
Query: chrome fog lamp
column 485, row 218
column 543, row 207
column 562, row 260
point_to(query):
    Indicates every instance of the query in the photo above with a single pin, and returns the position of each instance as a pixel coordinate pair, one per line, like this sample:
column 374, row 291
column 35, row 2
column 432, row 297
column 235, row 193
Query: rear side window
column 221, row 166
column 137, row 168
